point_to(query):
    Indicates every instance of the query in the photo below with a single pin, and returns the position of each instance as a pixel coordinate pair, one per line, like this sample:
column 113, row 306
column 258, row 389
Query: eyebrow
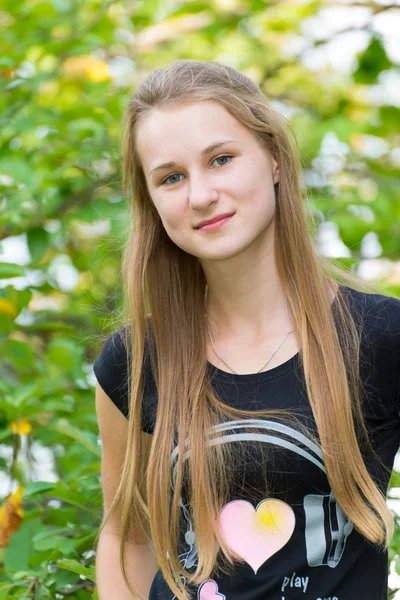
column 206, row 150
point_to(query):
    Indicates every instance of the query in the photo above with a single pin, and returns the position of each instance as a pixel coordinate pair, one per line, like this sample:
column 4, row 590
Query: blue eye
column 164, row 182
column 222, row 156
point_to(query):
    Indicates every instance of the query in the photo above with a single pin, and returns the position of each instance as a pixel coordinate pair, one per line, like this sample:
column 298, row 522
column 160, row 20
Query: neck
column 251, row 313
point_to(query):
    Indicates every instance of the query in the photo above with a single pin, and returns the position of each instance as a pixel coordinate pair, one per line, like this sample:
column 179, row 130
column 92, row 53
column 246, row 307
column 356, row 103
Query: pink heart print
column 209, row 591
column 256, row 534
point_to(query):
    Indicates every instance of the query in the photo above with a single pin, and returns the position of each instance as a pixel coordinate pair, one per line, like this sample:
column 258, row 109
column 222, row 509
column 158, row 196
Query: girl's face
column 200, row 162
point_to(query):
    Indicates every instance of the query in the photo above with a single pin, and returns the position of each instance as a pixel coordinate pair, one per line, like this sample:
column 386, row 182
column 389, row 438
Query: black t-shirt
column 298, row 544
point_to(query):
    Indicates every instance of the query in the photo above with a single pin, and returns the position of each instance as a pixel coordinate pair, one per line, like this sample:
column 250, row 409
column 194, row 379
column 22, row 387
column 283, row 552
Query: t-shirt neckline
column 269, row 375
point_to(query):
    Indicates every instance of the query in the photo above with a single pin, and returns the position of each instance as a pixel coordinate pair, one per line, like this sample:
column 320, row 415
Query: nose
column 200, row 193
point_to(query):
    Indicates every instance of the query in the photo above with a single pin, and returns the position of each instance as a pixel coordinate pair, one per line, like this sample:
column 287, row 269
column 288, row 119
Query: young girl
column 258, row 390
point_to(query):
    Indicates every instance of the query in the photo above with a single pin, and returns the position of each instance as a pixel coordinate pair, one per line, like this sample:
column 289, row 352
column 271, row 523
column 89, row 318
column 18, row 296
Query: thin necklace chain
column 229, row 367
column 224, row 361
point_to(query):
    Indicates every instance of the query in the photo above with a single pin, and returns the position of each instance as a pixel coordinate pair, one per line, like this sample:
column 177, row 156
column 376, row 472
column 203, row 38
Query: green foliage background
column 67, row 69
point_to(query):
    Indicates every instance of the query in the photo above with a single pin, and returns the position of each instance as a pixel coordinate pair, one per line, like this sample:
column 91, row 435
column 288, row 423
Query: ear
column 275, row 171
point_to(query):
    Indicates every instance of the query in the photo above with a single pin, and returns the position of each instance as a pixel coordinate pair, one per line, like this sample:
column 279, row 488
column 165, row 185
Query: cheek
column 169, row 208
column 172, row 214
column 249, row 187
column 261, row 184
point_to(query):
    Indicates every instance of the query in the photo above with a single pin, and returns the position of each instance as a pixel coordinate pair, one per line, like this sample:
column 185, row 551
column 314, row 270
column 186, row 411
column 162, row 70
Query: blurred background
column 67, row 69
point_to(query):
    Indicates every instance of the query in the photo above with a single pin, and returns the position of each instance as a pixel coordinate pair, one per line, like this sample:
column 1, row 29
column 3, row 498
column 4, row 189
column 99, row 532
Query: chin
column 221, row 254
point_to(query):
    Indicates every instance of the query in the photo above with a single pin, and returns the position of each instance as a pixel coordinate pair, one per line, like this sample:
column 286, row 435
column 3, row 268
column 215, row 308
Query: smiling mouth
column 214, row 219
column 215, row 225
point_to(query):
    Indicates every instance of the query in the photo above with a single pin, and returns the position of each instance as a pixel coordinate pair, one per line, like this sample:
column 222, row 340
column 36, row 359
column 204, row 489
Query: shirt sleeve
column 110, row 369
column 387, row 340
column 394, row 343
column 397, row 376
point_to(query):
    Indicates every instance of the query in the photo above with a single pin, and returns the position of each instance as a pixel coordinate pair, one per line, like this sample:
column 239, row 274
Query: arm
column 140, row 565
column 140, row 560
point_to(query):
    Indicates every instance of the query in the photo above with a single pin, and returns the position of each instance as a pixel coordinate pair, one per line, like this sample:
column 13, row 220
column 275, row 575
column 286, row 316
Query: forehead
column 171, row 133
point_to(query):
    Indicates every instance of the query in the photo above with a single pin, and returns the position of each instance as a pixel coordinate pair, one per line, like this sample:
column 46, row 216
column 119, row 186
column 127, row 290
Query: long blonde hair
column 164, row 292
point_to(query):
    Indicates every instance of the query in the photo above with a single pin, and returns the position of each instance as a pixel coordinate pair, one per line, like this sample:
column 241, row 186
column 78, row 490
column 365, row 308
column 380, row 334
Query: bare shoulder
column 113, row 425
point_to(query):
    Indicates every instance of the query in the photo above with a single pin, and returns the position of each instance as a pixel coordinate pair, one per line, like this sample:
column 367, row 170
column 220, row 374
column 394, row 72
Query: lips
column 214, row 220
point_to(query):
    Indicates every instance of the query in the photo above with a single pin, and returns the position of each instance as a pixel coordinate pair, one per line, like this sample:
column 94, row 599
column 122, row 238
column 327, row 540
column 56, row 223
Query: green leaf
column 8, row 270
column 37, row 487
column 397, row 565
column 63, row 426
column 7, row 61
column 389, row 119
column 20, row 353
column 24, row 393
column 38, row 243
column 64, row 352
column 20, row 548
column 372, row 62
column 18, row 298
column 5, row 434
column 48, row 325
column 92, row 572
column 46, row 541
column 67, row 546
column 85, row 125
column 74, row 566
column 64, row 492
column 394, row 480
column 5, row 589
column 17, row 168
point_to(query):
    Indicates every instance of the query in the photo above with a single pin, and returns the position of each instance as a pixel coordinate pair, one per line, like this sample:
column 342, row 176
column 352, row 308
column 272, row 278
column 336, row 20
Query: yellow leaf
column 86, row 67
column 7, row 308
column 11, row 514
column 21, row 426
column 98, row 71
